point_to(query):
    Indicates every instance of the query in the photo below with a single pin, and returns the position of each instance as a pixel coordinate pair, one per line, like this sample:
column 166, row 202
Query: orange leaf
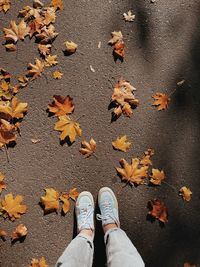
column 121, row 143
column 51, row 200
column 66, row 204
column 158, row 210
column 38, row 263
column 73, row 193
column 12, row 207
column 57, row 4
column 61, row 105
column 2, row 183
column 19, row 232
column 186, row 193
column 3, row 234
column 7, row 133
column 161, row 101
column 36, row 70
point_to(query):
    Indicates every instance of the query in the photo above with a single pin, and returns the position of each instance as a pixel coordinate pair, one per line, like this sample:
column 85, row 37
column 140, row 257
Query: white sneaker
column 85, row 211
column 108, row 206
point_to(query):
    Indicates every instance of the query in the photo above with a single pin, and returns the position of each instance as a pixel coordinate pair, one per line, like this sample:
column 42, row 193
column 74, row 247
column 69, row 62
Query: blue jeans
column 119, row 249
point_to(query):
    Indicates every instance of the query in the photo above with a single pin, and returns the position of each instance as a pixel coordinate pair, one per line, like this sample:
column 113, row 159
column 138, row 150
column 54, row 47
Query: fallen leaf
column 47, row 34
column 4, row 75
column 161, row 101
column 88, row 149
column 73, row 193
column 2, row 183
column 3, row 234
column 123, row 98
column 68, row 128
column 146, row 159
column 66, row 204
column 157, row 177
column 49, row 15
column 5, row 5
column 51, row 200
column 35, row 70
column 38, row 263
column 4, row 86
column 121, row 143
column 70, row 47
column 187, row 264
column 51, row 61
column 117, row 41
column 12, row 207
column 116, row 37
column 37, row 3
column 133, row 173
column 16, row 32
column 19, row 232
column 44, row 49
column 61, row 105
column 57, row 4
column 129, row 16
column 158, row 210
column 7, row 133
column 35, row 141
column 10, row 47
column 57, row 75
column 185, row 193
column 23, row 81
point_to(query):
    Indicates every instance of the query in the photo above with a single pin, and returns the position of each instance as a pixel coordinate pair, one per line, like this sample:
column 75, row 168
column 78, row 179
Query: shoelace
column 85, row 213
column 108, row 213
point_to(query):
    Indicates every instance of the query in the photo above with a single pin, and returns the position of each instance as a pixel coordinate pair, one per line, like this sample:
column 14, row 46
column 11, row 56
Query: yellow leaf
column 57, row 75
column 161, row 101
column 5, row 5
column 186, row 193
column 51, row 200
column 51, row 61
column 38, row 263
column 19, row 232
column 157, row 177
column 66, row 204
column 68, row 128
column 4, row 86
column 12, row 207
column 146, row 159
column 10, row 47
column 70, row 46
column 88, row 148
column 121, row 143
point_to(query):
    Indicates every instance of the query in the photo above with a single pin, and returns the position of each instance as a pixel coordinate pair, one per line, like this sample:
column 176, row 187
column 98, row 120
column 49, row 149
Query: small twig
column 93, row 154
column 7, row 156
column 174, row 188
column 80, row 117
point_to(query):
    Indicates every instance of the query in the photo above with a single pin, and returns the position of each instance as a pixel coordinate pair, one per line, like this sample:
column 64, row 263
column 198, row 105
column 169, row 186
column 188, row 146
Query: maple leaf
column 51, row 200
column 133, row 173
column 5, row 5
column 44, row 50
column 12, row 207
column 16, row 32
column 3, row 234
column 116, row 37
column 2, row 183
column 19, row 232
column 123, row 98
column 146, row 159
column 57, row 75
column 38, row 263
column 68, row 128
column 185, row 193
column 73, row 193
column 129, row 16
column 51, row 61
column 30, row 13
column 117, row 41
column 36, row 26
column 70, row 47
column 157, row 177
column 121, row 143
column 36, row 70
column 15, row 109
column 58, row 4
column 47, row 34
column 7, row 133
column 66, row 204
column 4, row 86
column 61, row 105
column 161, row 101
column 158, row 210
column 49, row 15
column 88, row 149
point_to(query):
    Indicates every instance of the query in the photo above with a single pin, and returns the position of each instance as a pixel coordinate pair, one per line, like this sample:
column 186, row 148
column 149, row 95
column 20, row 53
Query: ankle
column 88, row 232
column 109, row 226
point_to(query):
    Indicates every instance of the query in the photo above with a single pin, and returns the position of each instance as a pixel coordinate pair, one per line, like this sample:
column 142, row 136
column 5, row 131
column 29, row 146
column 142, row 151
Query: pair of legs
column 119, row 249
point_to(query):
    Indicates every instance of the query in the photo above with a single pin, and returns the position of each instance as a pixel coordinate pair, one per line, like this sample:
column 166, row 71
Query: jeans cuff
column 109, row 232
column 89, row 239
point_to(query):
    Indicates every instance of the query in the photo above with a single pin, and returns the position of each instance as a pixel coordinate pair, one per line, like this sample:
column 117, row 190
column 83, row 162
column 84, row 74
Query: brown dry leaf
column 121, row 143
column 7, row 133
column 61, row 105
column 4, row 75
column 5, row 5
column 57, row 75
column 38, row 263
column 129, row 16
column 47, row 34
column 68, row 128
column 12, row 207
column 3, row 234
column 29, row 13
column 146, row 159
column 2, row 183
column 19, row 232
column 16, row 32
column 73, row 193
column 51, row 200
column 51, row 61
column 44, row 49
column 35, row 141
column 88, row 149
column 158, row 210
column 66, row 204
column 187, row 264
column 13, row 109
column 23, row 81
column 117, row 41
column 185, row 193
column 70, row 46
column 124, row 98
column 58, row 4
column 133, row 173
column 157, row 177
column 36, row 70
column 35, row 26
column 161, row 101
column 49, row 15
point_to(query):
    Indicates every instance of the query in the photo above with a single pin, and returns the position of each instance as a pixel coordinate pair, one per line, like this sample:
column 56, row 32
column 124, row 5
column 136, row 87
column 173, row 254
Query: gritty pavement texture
column 162, row 48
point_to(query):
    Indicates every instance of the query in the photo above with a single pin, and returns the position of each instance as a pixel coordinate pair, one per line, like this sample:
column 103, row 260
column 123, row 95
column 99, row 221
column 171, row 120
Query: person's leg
column 119, row 248
column 80, row 250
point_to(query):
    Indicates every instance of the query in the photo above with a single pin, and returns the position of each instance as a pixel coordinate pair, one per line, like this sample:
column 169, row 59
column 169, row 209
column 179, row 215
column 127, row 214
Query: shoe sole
column 107, row 189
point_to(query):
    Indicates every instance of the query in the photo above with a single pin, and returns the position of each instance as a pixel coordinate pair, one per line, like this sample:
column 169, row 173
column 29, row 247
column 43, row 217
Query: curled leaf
column 19, row 232
column 185, row 193
column 70, row 47
column 88, row 148
column 157, row 177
